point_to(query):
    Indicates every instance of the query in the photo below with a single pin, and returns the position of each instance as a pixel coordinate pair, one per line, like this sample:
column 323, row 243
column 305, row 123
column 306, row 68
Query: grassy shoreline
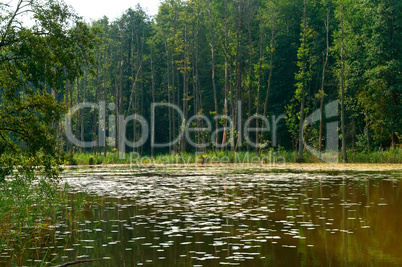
column 230, row 168
column 391, row 156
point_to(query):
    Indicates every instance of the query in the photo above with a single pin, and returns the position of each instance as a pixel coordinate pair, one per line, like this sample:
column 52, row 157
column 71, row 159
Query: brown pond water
column 208, row 217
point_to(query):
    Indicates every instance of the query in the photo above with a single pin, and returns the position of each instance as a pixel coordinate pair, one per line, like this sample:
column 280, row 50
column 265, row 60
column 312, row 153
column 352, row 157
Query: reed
column 392, row 155
column 30, row 210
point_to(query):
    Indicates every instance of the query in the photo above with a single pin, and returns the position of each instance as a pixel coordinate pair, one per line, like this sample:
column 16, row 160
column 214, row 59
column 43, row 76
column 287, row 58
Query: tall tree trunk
column 238, row 77
column 322, row 93
column 95, row 122
column 197, row 77
column 82, row 111
column 250, row 43
column 132, row 64
column 271, row 67
column 194, row 59
column 226, row 89
column 116, row 100
column 70, row 89
column 303, row 100
column 119, row 108
column 178, row 105
column 153, row 85
column 259, row 83
column 141, row 148
column 185, row 82
column 78, row 121
column 344, row 156
column 173, row 82
column 168, row 94
column 213, row 71
column 105, row 56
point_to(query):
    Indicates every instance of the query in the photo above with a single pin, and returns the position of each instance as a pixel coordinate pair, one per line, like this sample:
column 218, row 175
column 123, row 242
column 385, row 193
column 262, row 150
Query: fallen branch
column 77, row 262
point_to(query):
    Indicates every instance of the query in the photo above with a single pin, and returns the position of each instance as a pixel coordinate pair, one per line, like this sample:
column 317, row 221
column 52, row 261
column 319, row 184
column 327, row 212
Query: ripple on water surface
column 204, row 217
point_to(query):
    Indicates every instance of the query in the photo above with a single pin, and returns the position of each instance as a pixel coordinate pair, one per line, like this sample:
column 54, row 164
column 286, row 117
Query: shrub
column 98, row 161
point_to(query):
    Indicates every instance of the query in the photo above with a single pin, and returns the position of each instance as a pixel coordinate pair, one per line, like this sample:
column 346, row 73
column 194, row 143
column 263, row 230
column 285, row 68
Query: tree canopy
column 35, row 64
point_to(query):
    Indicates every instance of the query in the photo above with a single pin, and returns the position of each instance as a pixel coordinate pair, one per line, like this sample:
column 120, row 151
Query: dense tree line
column 272, row 57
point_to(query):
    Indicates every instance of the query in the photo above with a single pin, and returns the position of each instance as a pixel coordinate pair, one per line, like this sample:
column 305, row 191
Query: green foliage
column 372, row 35
column 392, row 155
column 35, row 63
column 97, row 159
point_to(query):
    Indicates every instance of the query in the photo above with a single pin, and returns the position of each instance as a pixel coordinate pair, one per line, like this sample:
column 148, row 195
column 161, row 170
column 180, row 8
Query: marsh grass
column 392, row 155
column 273, row 156
column 30, row 211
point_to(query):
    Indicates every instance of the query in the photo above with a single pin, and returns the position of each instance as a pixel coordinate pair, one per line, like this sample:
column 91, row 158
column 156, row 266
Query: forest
column 226, row 61
column 275, row 56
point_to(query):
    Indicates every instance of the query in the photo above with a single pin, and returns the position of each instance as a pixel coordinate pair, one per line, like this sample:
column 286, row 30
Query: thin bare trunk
column 322, row 93
column 105, row 92
column 344, row 156
column 82, row 112
column 303, row 100
column 250, row 43
column 185, row 82
column 95, row 115
column 226, row 89
column 116, row 99
column 70, row 88
column 213, row 71
column 271, row 67
column 120, row 107
column 168, row 94
column 153, row 86
column 259, row 83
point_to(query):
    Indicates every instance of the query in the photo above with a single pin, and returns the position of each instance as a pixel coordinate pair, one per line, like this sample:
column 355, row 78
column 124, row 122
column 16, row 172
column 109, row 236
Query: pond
column 211, row 216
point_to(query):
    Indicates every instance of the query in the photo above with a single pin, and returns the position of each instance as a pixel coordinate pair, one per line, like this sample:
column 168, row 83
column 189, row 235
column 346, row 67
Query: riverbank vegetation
column 273, row 156
column 31, row 211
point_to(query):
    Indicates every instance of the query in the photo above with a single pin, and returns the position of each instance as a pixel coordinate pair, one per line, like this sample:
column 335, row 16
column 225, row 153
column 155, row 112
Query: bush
column 71, row 160
column 99, row 161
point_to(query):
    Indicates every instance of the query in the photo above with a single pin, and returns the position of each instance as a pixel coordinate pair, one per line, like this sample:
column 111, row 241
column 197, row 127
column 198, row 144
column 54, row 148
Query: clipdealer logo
column 148, row 130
